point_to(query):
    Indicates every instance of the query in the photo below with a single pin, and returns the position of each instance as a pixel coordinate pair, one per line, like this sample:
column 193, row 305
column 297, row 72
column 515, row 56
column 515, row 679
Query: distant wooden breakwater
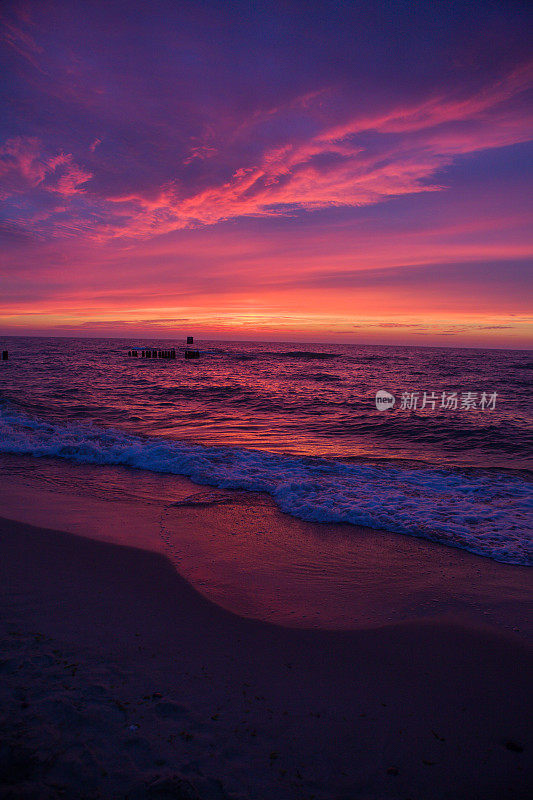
column 149, row 352
column 158, row 352
column 146, row 352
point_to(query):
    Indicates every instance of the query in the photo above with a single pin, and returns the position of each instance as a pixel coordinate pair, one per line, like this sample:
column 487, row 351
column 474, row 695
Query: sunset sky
column 306, row 171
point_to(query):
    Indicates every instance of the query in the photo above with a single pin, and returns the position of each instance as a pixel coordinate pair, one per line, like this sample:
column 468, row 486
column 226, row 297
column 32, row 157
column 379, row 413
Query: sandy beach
column 120, row 680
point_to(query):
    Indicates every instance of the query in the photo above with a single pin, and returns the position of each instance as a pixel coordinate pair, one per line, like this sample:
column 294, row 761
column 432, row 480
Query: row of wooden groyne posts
column 148, row 352
column 157, row 352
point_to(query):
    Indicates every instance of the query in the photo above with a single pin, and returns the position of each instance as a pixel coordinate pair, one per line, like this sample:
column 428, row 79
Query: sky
column 295, row 171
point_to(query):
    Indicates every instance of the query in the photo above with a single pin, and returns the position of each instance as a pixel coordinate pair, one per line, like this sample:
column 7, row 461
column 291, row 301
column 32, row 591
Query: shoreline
column 239, row 550
column 122, row 679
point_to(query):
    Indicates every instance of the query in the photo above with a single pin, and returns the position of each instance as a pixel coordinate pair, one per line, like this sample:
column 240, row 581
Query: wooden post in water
column 153, row 352
column 191, row 353
column 5, row 355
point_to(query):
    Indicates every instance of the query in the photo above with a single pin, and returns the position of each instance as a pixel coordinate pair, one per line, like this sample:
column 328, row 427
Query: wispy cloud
column 23, row 167
column 334, row 169
column 363, row 161
column 15, row 33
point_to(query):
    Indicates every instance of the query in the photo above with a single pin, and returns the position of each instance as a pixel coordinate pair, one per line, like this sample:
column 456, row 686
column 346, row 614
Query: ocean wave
column 325, row 377
column 210, row 392
column 302, row 355
column 306, row 355
column 487, row 514
column 452, row 432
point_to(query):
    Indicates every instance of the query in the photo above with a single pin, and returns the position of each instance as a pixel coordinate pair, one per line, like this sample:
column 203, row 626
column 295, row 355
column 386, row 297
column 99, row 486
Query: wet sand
column 120, row 679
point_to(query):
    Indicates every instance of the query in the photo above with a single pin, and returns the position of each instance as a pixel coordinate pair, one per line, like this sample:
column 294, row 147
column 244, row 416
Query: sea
column 446, row 458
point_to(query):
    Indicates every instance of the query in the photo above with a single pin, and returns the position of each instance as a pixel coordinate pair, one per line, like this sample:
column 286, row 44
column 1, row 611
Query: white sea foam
column 488, row 514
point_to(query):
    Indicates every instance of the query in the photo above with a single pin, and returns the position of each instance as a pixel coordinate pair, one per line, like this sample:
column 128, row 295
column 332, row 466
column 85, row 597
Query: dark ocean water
column 300, row 422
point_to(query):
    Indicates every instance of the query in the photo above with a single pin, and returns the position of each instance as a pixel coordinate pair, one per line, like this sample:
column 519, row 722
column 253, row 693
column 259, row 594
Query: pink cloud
column 202, row 152
column 20, row 40
column 20, row 164
column 71, row 179
column 332, row 169
column 440, row 109
column 336, row 166
column 23, row 167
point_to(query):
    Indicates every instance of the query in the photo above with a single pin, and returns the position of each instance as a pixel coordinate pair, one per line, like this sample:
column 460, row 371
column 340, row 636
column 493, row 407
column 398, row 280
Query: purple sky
column 352, row 171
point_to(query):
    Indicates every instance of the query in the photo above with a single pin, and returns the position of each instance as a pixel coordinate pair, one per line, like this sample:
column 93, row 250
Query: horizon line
column 274, row 341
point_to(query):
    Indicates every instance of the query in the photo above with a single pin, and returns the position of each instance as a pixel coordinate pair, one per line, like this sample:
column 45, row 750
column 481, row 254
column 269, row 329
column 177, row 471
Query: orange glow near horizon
column 437, row 330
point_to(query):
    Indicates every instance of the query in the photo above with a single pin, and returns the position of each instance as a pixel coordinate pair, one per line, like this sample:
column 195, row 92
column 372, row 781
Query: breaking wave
column 489, row 514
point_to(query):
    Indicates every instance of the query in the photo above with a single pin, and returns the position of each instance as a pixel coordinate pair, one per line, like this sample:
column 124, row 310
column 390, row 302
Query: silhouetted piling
column 149, row 352
column 5, row 355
